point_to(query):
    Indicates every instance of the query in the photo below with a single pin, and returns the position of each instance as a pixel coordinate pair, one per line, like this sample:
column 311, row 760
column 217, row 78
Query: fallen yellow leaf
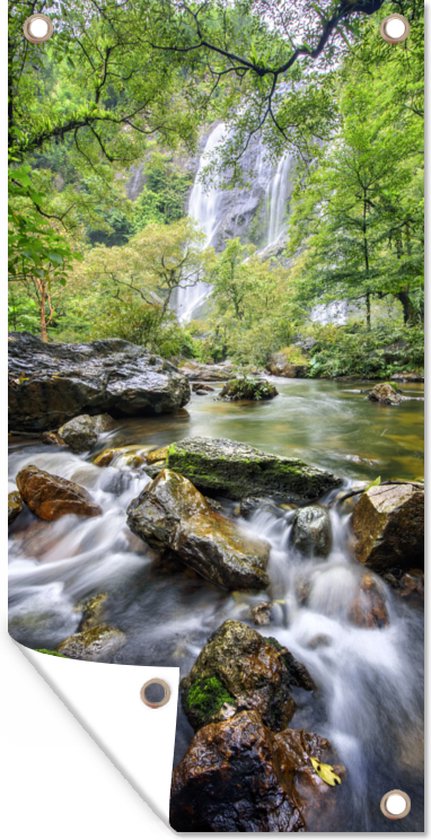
column 326, row 772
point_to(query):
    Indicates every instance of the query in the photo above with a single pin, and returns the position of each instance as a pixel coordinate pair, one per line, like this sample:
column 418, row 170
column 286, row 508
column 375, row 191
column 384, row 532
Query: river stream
column 370, row 680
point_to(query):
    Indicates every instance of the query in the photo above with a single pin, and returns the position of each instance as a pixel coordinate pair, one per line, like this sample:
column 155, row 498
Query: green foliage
column 372, row 354
column 163, row 198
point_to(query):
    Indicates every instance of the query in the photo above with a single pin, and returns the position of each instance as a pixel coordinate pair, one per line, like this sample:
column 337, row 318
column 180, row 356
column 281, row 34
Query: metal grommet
column 155, row 693
column 38, row 28
column 395, row 29
column 395, row 804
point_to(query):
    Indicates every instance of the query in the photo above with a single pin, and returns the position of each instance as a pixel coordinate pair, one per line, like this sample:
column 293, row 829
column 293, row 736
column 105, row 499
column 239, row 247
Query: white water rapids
column 369, row 680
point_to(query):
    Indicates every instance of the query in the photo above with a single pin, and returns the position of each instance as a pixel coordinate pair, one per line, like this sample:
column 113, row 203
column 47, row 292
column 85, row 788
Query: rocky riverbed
column 288, row 591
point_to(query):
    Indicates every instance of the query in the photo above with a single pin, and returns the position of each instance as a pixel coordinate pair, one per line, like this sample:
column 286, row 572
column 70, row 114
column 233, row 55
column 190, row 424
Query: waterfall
column 222, row 214
column 278, row 191
column 203, row 210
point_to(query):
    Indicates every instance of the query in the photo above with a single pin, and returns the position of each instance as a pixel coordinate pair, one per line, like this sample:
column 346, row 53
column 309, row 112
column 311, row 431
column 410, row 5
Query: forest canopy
column 107, row 122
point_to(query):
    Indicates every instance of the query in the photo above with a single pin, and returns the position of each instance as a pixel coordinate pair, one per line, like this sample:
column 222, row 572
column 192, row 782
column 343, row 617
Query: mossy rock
column 205, row 700
column 224, row 467
column 240, row 669
column 244, row 388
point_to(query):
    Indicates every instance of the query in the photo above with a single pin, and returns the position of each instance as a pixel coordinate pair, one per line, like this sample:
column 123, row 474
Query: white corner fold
column 105, row 699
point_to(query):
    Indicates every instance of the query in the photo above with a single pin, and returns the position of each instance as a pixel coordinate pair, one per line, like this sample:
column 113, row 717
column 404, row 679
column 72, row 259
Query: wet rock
column 237, row 775
column 255, row 390
column 172, row 514
column 92, row 612
column 388, row 525
column 50, row 496
column 157, row 455
column 197, row 372
column 130, row 456
column 14, row 506
column 201, row 388
column 94, row 644
column 369, row 608
column 385, row 393
column 312, row 531
column 412, row 583
column 52, row 439
column 52, row 383
column 82, row 432
column 240, row 669
column 235, row 470
column 261, row 613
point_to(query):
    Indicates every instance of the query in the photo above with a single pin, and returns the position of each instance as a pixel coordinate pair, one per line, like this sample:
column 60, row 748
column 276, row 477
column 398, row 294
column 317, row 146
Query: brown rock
column 369, row 607
column 49, row 496
column 280, row 365
column 388, row 524
column 261, row 613
column 238, row 776
column 171, row 514
column 244, row 670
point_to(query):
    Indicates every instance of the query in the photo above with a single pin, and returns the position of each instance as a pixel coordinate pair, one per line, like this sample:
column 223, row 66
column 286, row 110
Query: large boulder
column 388, row 524
column 52, row 383
column 237, row 775
column 50, row 496
column 240, row 669
column 83, row 431
column 244, row 388
column 385, row 393
column 172, row 514
column 312, row 531
column 235, row 470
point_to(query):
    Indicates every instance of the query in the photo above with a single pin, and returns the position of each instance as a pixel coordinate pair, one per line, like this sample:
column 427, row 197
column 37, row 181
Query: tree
column 358, row 213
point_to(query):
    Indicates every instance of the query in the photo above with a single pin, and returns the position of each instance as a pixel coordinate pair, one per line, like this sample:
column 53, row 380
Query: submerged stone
column 240, row 669
column 49, row 496
column 312, row 531
column 237, row 775
column 236, row 470
column 385, row 393
column 171, row 514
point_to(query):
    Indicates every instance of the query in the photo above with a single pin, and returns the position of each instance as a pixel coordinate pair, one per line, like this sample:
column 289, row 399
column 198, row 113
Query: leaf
column 326, row 772
column 374, row 483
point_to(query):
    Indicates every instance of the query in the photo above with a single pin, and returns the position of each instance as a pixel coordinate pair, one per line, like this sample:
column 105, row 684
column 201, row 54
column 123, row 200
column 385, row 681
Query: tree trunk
column 408, row 310
column 43, row 296
column 366, row 256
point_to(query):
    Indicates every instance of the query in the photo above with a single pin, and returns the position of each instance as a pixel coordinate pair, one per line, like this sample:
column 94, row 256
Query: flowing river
column 369, row 701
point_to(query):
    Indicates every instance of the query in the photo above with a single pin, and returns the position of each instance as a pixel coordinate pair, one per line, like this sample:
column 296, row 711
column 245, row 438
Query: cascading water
column 222, row 214
column 203, row 209
column 278, row 191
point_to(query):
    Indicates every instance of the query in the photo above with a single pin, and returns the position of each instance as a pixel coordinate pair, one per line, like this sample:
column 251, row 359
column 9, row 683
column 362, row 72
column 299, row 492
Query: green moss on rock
column 205, row 698
column 51, row 652
column 236, row 470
